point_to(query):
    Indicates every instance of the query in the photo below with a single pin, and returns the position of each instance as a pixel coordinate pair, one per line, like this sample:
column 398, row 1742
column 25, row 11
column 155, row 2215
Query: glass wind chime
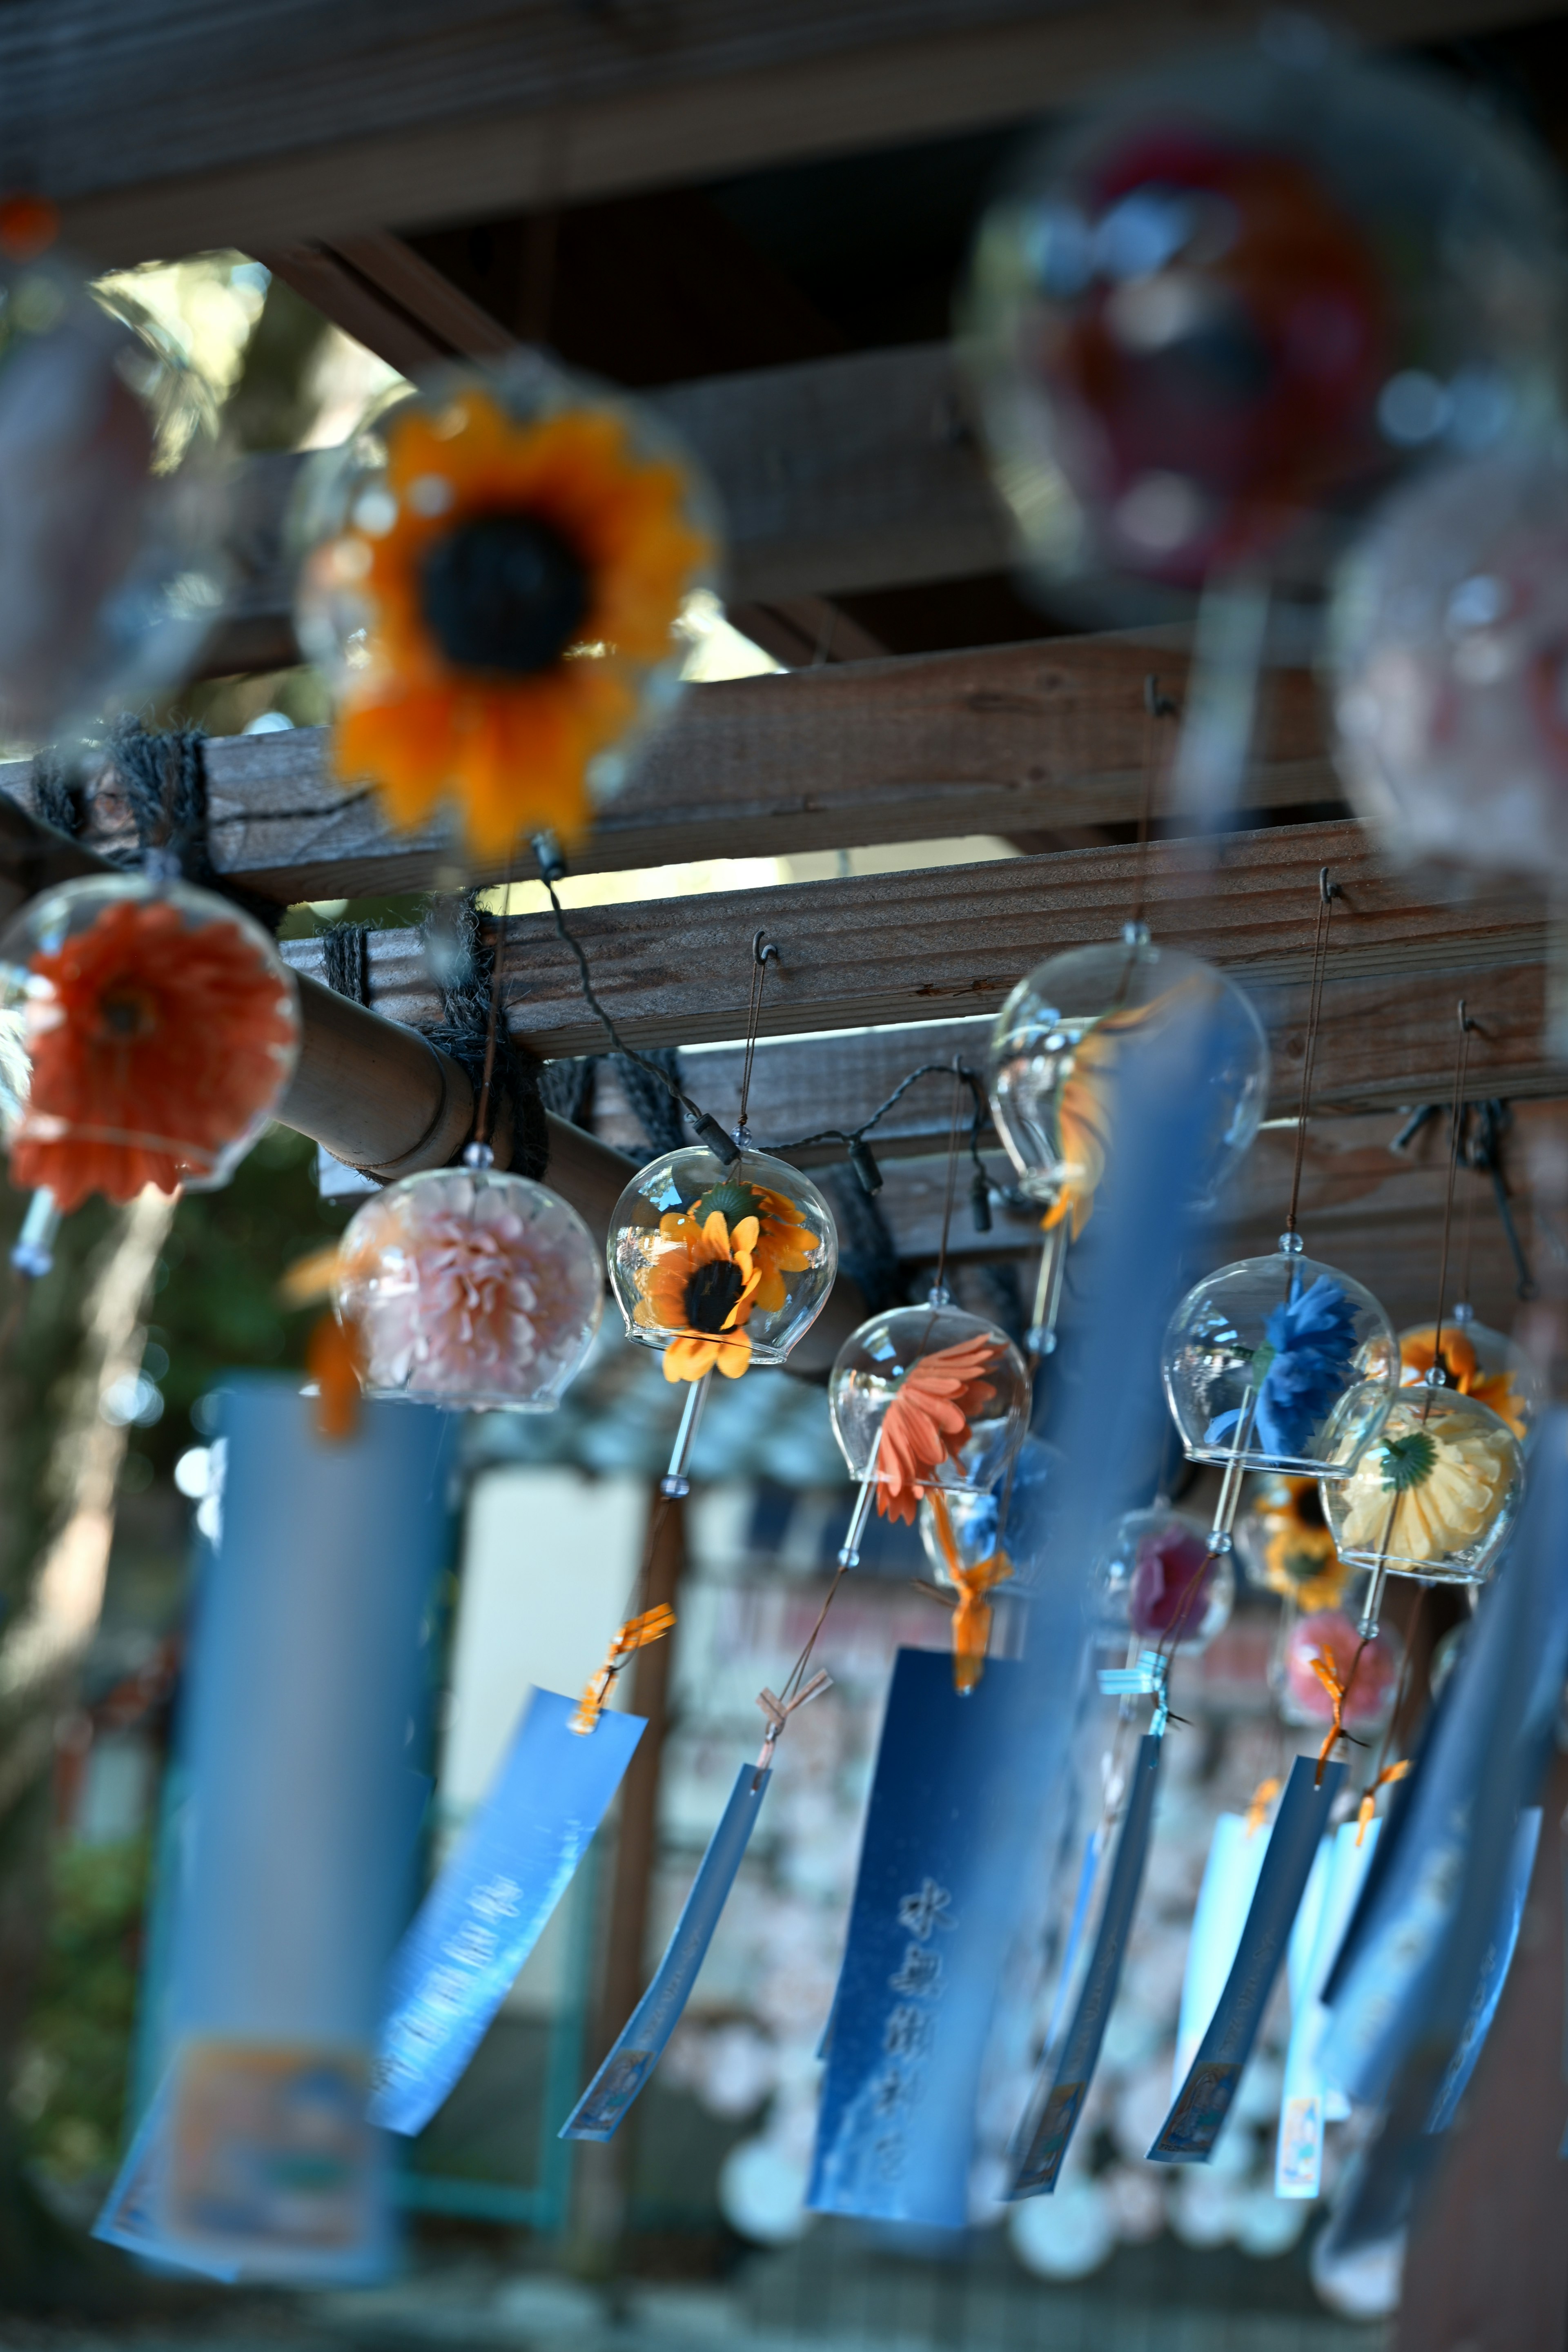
column 1054, row 1055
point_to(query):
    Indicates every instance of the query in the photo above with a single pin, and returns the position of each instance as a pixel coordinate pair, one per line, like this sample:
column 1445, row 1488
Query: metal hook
column 1326, row 890
column 1465, row 1023
column 764, row 951
column 1158, row 705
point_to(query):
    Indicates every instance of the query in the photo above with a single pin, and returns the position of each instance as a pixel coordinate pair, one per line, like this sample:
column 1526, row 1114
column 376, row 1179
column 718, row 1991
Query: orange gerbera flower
column 155, row 1044
column 1418, row 1353
column 971, row 1617
column 701, row 1285
column 927, row 1422
column 528, row 576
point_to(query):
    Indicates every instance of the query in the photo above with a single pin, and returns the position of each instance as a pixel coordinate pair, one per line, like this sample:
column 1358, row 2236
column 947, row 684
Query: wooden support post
column 1487, row 2260
column 603, row 2167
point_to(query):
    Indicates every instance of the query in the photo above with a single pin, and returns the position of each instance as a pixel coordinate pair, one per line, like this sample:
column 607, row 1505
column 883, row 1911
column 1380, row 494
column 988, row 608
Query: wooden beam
column 834, row 476
column 185, row 124
column 1014, row 738
column 931, row 944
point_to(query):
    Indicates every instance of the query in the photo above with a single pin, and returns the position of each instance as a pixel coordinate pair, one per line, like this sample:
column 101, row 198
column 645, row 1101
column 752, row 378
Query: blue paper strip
column 1225, row 1898
column 640, row 2043
column 131, row 2214
column 1089, row 1870
column 1495, row 1966
column 485, row 1913
column 1195, row 2121
column 1306, row 2103
column 878, row 2154
column 1059, row 2102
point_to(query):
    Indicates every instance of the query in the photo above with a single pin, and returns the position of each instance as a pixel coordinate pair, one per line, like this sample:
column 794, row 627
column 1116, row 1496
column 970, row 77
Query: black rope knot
column 463, row 967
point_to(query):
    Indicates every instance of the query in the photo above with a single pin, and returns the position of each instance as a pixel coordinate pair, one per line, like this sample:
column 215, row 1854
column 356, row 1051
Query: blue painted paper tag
column 1066, row 2076
column 1198, row 2115
column 1307, row 2101
column 878, row 2155
column 485, row 1913
column 1495, row 1966
column 131, row 2216
column 640, row 2043
column 1088, row 1872
column 1225, row 1898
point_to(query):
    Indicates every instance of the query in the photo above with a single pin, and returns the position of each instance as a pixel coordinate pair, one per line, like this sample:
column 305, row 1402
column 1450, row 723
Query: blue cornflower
column 1304, row 1365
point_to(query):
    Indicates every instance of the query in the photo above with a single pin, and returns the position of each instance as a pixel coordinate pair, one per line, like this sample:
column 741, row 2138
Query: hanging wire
column 482, row 1117
column 764, row 952
column 1327, row 892
column 1461, row 1069
column 1156, row 706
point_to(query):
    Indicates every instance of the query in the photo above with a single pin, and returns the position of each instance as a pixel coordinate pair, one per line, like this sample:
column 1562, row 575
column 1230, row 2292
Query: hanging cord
column 1461, row 1070
column 1156, row 706
column 483, row 1122
column 717, row 1138
column 939, row 1285
column 472, row 1030
column 764, row 952
column 1327, row 892
column 863, row 1160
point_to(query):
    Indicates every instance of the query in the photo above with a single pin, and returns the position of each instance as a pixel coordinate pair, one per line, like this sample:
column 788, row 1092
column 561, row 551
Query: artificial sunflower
column 1293, row 1547
column 1428, row 1488
column 786, row 1243
column 701, row 1286
column 521, row 578
column 1498, row 1389
column 157, row 1043
column 927, row 1420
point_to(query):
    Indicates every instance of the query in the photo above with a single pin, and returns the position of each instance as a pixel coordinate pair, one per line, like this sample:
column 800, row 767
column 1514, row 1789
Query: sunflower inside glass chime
column 497, row 568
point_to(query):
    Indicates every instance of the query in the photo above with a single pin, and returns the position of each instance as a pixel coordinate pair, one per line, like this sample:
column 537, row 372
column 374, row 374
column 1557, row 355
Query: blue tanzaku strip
column 640, row 2043
column 131, row 2215
column 1071, row 2069
column 1088, row 1872
column 891, row 2145
column 1198, row 2115
column 1495, row 1966
column 485, row 1913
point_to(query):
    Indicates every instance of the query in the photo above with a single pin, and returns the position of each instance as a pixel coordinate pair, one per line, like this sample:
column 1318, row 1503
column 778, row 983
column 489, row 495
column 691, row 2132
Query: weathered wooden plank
column 939, row 942
column 190, row 123
column 833, row 475
column 1016, row 738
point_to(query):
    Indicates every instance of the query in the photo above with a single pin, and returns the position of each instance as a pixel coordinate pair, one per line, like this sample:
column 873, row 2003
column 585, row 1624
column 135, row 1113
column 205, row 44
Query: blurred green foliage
column 71, row 2085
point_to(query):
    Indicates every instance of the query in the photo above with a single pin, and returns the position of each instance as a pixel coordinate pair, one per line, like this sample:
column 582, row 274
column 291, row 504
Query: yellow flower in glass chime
column 701, row 1284
column 1291, row 1543
column 1426, row 1489
column 516, row 569
column 1418, row 1353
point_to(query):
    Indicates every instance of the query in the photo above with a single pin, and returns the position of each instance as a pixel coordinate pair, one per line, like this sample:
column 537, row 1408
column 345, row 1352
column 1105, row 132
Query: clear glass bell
column 470, row 1287
column 151, row 1029
column 720, row 1267
column 1480, row 1362
column 977, row 1521
column 492, row 574
column 927, row 1396
column 1285, row 1545
column 1327, row 1638
column 113, row 564
column 1055, row 1047
column 1433, row 1494
column 1158, row 1576
column 1260, row 1356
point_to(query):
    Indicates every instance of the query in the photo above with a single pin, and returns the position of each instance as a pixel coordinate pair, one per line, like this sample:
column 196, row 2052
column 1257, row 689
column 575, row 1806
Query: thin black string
column 1327, row 892
column 763, row 954
column 1156, row 706
column 498, row 957
column 940, row 1282
column 1461, row 1068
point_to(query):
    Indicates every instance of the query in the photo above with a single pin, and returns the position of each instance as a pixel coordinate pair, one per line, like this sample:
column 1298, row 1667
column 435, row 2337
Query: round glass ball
column 1263, row 1359
column 1059, row 1039
column 1480, row 1362
column 113, row 562
column 977, row 1524
column 506, row 524
column 1449, row 652
column 929, row 1396
column 150, row 1030
column 1329, row 1635
column 1434, row 1492
column 712, row 1289
column 1156, row 1577
column 470, row 1287
column 1211, row 317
